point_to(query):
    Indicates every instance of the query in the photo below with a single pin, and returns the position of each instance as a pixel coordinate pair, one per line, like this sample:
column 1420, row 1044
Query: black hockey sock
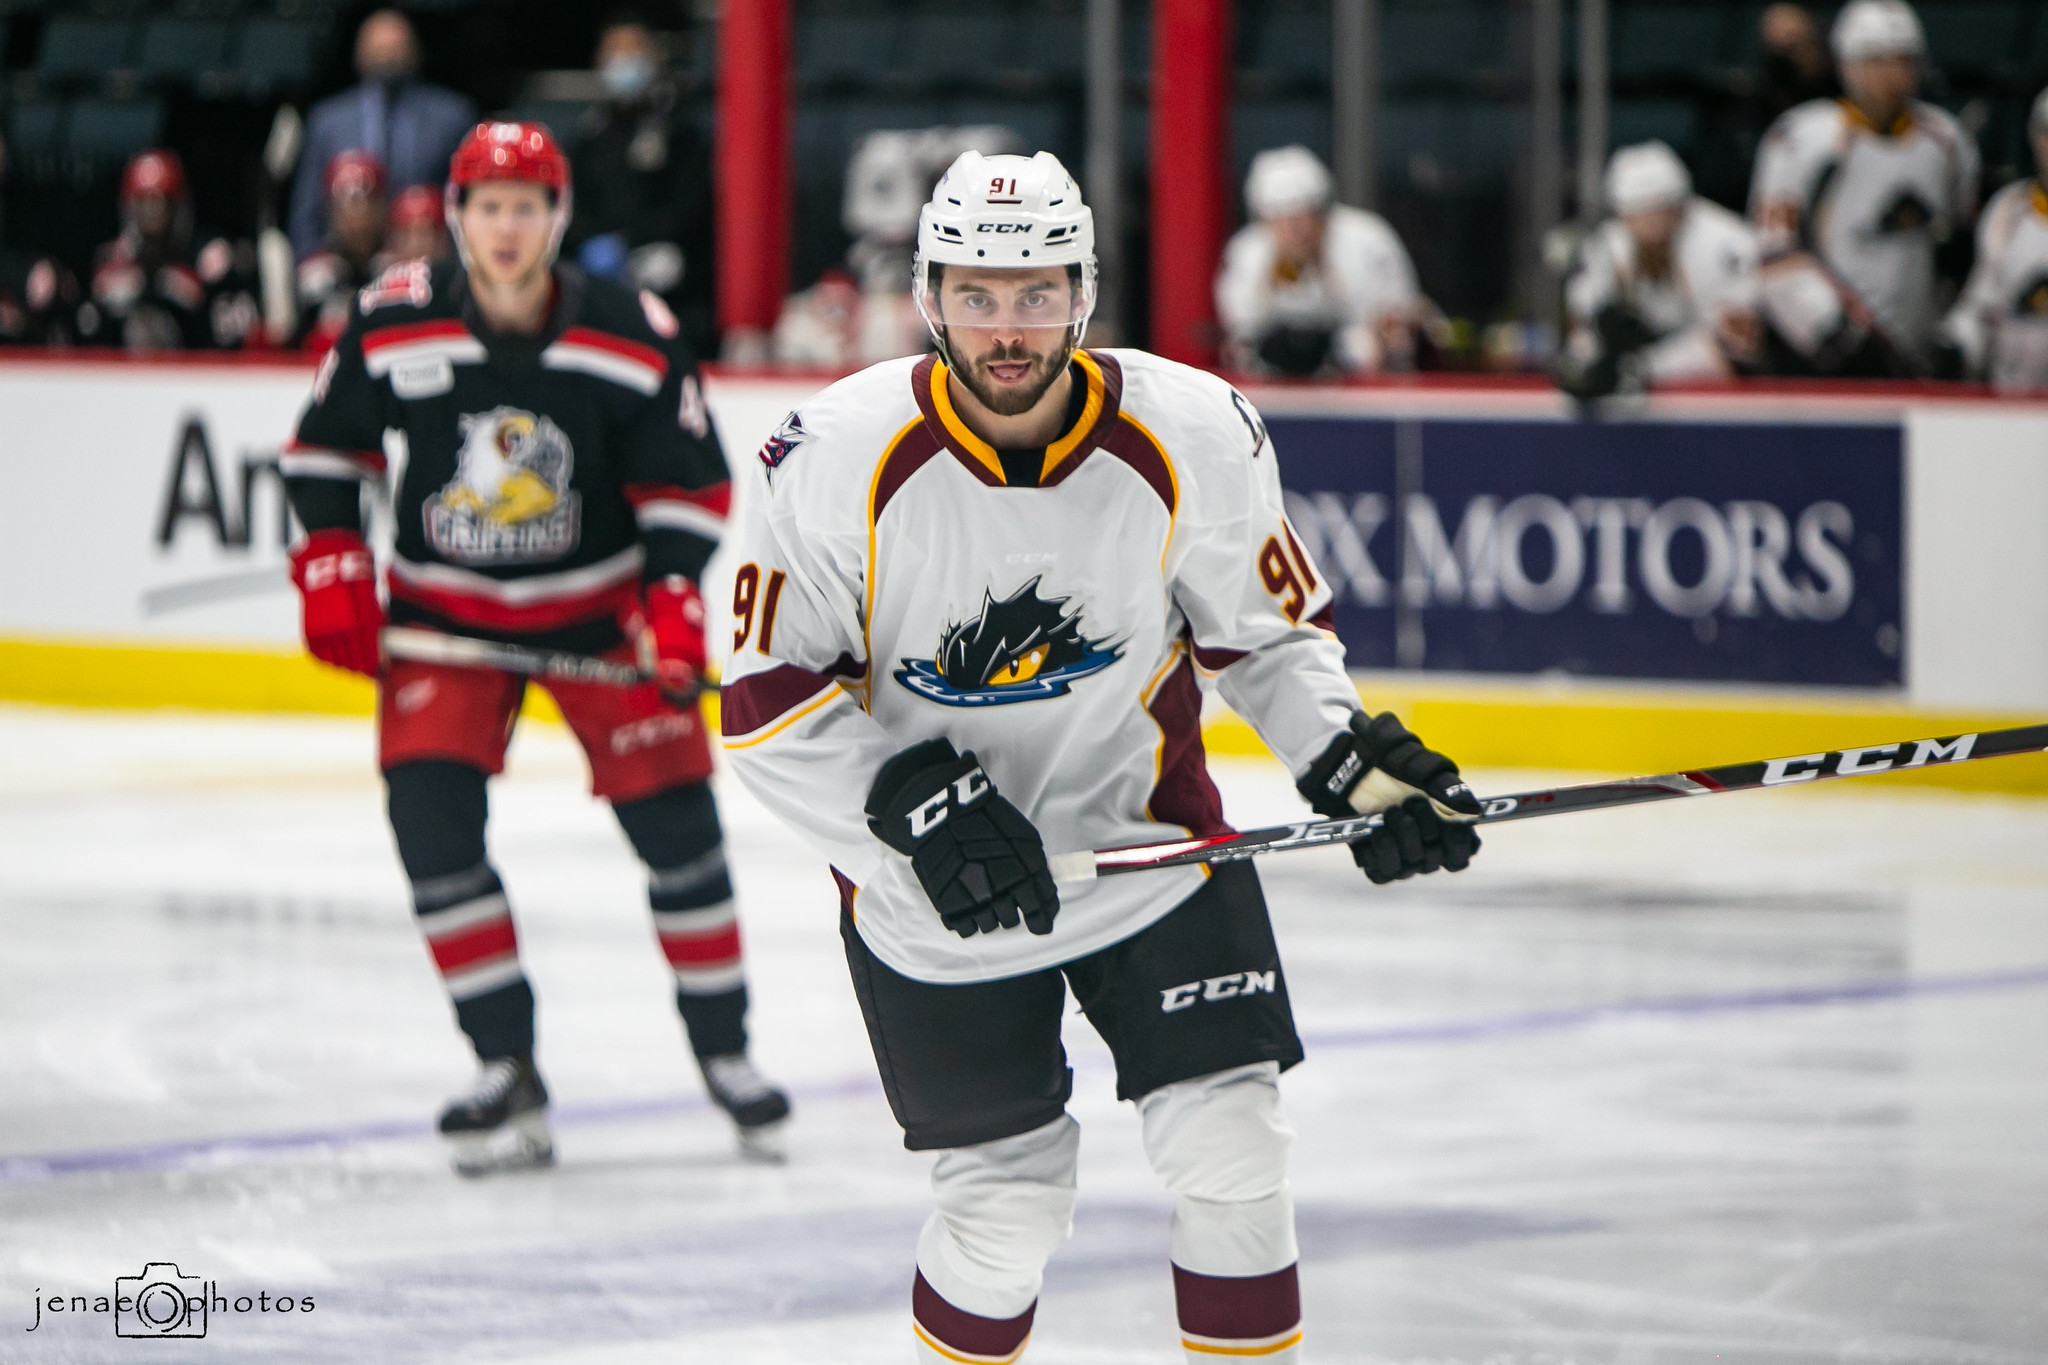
column 676, row 834
column 437, row 813
column 716, row 1024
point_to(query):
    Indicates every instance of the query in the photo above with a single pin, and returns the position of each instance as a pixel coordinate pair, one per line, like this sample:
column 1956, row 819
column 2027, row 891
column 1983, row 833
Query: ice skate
column 502, row 1124
column 759, row 1111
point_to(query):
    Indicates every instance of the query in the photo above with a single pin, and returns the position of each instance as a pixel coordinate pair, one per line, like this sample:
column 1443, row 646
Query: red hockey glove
column 671, row 636
column 337, row 583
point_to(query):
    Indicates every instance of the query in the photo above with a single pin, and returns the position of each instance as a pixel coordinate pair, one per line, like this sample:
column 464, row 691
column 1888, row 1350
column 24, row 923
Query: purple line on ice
column 217, row 1151
column 1747, row 1002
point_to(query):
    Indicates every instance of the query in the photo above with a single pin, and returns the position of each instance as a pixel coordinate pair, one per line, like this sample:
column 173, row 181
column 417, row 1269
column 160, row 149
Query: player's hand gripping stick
column 671, row 637
column 977, row 857
column 339, row 611
column 1381, row 768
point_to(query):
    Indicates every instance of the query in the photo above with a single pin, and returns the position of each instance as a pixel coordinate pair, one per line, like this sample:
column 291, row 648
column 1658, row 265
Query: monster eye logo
column 2034, row 298
column 1019, row 649
column 1908, row 213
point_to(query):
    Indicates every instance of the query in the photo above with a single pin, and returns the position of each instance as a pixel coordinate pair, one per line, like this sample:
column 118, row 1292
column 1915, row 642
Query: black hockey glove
column 1382, row 767
column 977, row 857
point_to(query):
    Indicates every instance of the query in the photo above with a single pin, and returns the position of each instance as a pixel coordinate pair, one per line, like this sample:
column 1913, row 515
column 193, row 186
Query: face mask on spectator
column 387, row 73
column 627, row 76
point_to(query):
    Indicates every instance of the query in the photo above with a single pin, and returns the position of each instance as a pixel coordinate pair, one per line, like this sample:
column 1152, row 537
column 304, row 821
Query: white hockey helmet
column 1646, row 176
column 1877, row 28
column 1006, row 212
column 1286, row 180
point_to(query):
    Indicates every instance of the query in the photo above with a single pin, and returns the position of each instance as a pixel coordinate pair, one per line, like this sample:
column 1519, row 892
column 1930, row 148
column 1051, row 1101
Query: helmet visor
column 980, row 300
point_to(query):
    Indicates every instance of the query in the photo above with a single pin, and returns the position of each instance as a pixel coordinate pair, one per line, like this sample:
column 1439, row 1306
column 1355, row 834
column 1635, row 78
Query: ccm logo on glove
column 1380, row 767
column 965, row 792
column 977, row 857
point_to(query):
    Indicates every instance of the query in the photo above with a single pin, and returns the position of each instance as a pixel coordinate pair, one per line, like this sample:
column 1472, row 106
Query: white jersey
column 1364, row 277
column 2001, row 320
column 886, row 565
column 1713, row 280
column 1871, row 205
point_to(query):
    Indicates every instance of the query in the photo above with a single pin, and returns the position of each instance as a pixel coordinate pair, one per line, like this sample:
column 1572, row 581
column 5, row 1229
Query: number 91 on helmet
column 1006, row 213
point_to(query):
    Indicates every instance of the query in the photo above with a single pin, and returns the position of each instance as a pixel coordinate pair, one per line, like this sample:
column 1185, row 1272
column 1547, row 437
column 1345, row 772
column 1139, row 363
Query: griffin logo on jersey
column 1019, row 649
column 510, row 498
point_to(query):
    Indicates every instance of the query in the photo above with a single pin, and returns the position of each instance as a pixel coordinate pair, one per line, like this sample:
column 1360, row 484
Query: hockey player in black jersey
column 562, row 487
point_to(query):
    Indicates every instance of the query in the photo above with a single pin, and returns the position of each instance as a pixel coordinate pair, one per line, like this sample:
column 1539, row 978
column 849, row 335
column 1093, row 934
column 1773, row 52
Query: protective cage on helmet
column 1006, row 213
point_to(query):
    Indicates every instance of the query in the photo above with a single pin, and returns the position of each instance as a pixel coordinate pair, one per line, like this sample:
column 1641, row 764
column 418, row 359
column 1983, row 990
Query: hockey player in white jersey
column 1859, row 200
column 1666, row 289
column 978, row 598
column 2000, row 324
column 1311, row 286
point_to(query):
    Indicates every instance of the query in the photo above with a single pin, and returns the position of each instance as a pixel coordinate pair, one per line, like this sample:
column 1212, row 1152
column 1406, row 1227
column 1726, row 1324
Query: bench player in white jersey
column 1311, row 286
column 1861, row 202
column 977, row 600
column 1666, row 289
column 2000, row 324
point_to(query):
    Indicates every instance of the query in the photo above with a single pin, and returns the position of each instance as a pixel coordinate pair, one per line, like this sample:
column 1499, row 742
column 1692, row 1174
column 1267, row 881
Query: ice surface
column 1758, row 1078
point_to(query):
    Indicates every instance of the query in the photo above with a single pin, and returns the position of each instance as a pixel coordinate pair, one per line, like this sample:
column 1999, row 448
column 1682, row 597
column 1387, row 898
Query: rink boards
column 1828, row 566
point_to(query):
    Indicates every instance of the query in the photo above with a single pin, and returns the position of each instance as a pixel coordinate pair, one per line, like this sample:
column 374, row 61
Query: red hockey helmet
column 415, row 205
column 353, row 172
column 156, row 171
column 509, row 151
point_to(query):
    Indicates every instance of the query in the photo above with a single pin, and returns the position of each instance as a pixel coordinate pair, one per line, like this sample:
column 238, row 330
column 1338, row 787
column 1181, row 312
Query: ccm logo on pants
column 1217, row 988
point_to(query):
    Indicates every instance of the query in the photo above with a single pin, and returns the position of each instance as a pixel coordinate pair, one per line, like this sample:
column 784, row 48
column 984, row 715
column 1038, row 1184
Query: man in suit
column 410, row 126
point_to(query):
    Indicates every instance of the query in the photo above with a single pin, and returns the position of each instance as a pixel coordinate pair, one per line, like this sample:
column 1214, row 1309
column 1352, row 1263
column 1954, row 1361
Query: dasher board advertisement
column 1674, row 550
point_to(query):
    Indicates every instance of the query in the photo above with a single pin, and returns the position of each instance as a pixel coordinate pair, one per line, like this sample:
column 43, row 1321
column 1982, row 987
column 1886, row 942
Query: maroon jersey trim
column 1183, row 793
column 1130, row 442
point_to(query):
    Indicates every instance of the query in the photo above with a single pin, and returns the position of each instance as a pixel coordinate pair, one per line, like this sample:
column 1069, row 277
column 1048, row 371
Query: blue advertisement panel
column 1681, row 550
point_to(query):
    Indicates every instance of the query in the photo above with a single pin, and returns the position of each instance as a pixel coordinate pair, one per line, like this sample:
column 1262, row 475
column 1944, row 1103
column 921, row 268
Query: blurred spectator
column 148, row 292
column 643, row 184
column 1795, row 60
column 1665, row 289
column 1314, row 287
column 864, row 313
column 2000, row 325
column 1858, row 202
column 1792, row 68
column 38, row 296
column 411, row 127
column 416, row 229
column 348, row 257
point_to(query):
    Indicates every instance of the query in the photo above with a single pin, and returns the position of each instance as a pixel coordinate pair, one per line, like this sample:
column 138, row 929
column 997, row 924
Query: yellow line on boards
column 136, row 676
column 1645, row 734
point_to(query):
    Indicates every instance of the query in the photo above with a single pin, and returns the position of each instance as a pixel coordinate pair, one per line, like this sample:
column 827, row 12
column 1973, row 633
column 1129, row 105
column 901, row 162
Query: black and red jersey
column 543, row 476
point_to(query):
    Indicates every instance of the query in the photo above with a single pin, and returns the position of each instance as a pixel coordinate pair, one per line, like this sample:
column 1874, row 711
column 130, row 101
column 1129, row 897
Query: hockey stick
column 462, row 651
column 1776, row 772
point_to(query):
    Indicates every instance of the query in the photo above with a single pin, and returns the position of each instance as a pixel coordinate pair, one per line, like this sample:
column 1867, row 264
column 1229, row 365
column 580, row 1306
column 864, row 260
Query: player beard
column 1012, row 400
